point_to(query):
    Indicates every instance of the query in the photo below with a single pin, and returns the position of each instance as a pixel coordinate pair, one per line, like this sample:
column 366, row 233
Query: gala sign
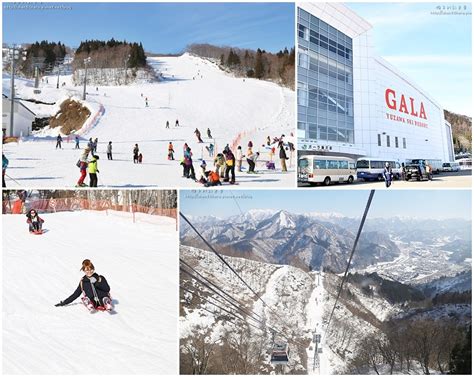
column 400, row 104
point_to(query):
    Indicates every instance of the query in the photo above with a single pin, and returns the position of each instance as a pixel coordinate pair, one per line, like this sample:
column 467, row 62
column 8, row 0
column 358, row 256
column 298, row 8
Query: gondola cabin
column 280, row 353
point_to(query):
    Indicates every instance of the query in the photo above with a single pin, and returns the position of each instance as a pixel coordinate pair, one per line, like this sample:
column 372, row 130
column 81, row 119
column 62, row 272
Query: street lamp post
column 86, row 61
column 14, row 55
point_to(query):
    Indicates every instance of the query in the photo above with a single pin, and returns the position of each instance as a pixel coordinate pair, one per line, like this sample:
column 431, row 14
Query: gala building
column 354, row 103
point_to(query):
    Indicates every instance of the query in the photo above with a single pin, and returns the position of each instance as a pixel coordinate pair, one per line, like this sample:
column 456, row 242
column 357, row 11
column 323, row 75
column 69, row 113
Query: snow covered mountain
column 299, row 304
column 400, row 249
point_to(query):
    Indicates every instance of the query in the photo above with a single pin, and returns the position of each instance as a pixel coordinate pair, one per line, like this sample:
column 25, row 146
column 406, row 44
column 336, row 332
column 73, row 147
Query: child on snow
column 94, row 288
column 82, row 165
column 213, row 179
column 219, row 163
column 140, row 158
column 92, row 166
column 35, row 222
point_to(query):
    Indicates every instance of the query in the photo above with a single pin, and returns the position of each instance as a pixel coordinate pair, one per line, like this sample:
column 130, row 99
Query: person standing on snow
column 188, row 162
column 4, row 169
column 92, row 166
column 230, row 165
column 82, row 164
column 94, row 144
column 59, row 140
column 109, row 151
column 167, row 124
column 283, row 157
column 94, row 288
column 77, row 142
column 177, row 123
column 170, row 151
column 136, row 151
column 35, row 223
column 209, row 133
column 240, row 156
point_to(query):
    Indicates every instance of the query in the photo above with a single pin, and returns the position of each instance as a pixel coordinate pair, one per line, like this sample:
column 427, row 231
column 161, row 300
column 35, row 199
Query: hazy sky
column 433, row 50
column 161, row 27
column 435, row 204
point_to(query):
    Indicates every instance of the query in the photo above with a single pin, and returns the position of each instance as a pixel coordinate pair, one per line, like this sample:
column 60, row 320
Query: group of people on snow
column 168, row 124
column 85, row 164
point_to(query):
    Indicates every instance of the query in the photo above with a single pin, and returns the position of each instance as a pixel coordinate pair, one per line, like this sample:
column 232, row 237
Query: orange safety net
column 75, row 204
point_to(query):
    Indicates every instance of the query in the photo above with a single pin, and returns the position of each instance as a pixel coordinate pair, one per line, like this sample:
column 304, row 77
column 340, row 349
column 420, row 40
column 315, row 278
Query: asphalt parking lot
column 461, row 179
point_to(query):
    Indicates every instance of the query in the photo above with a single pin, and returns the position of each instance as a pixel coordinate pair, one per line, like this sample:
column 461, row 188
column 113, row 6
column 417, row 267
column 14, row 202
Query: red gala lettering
column 392, row 103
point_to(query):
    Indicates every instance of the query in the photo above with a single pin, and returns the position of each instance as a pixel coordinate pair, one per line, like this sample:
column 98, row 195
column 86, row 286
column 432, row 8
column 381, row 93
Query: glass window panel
column 332, row 164
column 319, row 164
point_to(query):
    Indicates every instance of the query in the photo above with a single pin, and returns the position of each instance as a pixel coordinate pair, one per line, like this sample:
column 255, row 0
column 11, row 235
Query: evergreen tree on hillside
column 259, row 66
column 461, row 356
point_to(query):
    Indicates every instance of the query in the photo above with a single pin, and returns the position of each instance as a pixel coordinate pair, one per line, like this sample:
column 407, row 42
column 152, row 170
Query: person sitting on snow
column 94, row 288
column 35, row 222
column 213, row 179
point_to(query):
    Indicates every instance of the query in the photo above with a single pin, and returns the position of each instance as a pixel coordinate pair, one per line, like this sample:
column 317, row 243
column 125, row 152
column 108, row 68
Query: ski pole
column 14, row 180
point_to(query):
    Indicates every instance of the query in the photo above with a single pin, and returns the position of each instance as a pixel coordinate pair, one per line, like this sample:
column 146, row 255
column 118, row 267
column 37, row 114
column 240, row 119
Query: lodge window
column 404, row 143
column 396, row 141
column 379, row 140
column 388, row 140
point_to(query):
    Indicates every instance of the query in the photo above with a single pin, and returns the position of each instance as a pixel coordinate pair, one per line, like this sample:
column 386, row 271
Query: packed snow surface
column 139, row 260
column 192, row 90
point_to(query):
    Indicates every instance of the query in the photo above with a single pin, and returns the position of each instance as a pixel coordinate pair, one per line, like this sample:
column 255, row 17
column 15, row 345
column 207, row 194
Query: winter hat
column 86, row 263
column 96, row 157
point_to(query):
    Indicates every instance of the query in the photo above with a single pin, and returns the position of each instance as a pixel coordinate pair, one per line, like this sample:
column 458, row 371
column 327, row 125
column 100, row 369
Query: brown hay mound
column 70, row 117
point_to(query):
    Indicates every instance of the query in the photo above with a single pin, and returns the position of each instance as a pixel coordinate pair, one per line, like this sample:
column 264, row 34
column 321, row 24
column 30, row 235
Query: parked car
column 451, row 166
column 414, row 172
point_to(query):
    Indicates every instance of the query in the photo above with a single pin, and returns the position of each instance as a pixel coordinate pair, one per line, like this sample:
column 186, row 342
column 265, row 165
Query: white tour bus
column 326, row 169
column 371, row 169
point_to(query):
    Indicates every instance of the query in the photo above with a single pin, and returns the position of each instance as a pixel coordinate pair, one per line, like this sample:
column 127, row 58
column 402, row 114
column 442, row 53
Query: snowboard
column 83, row 185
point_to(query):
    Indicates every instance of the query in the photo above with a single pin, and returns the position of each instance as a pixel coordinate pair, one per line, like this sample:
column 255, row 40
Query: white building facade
column 354, row 103
column 23, row 118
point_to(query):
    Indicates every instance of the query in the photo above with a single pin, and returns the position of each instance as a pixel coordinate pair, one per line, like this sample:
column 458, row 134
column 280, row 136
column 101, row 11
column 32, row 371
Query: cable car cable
column 369, row 201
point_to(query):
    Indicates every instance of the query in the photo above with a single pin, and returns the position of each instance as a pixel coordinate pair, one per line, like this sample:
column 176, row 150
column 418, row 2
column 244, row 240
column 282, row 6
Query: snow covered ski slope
column 139, row 260
column 192, row 90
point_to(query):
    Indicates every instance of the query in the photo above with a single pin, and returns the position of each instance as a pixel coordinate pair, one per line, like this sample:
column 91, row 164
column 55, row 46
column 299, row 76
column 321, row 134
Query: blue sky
column 433, row 50
column 435, row 204
column 165, row 27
